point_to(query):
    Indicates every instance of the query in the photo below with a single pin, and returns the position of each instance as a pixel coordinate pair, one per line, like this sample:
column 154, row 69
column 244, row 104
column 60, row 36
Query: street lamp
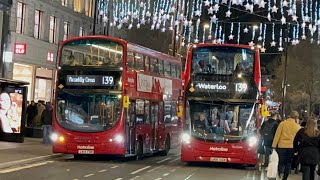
column 206, row 26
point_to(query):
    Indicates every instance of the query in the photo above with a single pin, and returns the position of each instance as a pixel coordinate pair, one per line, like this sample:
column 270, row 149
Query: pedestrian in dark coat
column 306, row 144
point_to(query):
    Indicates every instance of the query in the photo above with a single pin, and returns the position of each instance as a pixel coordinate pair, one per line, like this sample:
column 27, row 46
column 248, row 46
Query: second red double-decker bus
column 222, row 86
column 114, row 97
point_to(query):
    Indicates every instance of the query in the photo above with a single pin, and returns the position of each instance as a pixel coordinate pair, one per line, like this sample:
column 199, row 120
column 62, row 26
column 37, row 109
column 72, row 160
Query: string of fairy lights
column 302, row 18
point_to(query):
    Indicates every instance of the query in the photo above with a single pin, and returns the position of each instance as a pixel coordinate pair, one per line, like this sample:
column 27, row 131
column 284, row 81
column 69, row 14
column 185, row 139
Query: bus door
column 131, row 127
column 154, row 125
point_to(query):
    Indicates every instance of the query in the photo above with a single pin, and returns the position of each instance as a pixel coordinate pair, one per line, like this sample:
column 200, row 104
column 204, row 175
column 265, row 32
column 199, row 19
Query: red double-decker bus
column 114, row 97
column 222, row 86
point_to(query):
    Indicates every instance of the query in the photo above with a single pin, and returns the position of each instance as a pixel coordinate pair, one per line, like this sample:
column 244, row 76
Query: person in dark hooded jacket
column 306, row 143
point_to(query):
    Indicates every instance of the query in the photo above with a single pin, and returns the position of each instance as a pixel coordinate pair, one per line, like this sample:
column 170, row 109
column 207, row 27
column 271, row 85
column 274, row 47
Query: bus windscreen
column 213, row 122
column 92, row 52
column 84, row 112
column 222, row 60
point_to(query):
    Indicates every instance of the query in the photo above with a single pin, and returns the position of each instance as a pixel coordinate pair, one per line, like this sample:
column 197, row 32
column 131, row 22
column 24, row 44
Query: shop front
column 40, row 79
column 34, row 62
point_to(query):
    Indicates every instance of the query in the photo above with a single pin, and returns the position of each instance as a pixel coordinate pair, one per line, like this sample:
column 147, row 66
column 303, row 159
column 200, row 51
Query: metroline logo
column 208, row 86
column 222, row 149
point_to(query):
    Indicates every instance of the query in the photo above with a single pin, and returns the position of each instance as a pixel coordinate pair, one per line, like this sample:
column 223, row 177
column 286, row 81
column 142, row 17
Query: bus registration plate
column 215, row 159
column 85, row 151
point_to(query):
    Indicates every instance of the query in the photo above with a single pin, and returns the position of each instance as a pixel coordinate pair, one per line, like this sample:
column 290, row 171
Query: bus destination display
column 89, row 80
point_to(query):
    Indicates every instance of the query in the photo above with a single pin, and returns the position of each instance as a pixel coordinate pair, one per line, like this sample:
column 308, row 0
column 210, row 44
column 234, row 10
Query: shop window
column 53, row 29
column 82, row 31
column 154, row 66
column 21, row 16
column 130, row 60
column 78, row 5
column 37, row 23
column 43, row 85
column 89, row 7
column 161, row 67
column 64, row 3
column 167, row 70
column 146, row 63
column 139, row 62
column 23, row 72
column 66, row 30
column 173, row 70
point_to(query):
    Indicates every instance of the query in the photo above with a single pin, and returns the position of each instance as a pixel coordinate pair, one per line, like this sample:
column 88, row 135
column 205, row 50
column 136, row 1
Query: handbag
column 273, row 165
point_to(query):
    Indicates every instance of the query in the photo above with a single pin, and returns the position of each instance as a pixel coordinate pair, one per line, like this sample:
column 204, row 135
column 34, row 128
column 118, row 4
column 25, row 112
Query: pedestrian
column 37, row 118
column 283, row 143
column 306, row 144
column 46, row 120
column 31, row 112
column 268, row 131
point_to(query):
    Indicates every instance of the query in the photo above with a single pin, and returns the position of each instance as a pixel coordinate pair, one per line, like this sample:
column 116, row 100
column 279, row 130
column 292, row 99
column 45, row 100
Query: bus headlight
column 54, row 136
column 118, row 138
column 186, row 138
column 252, row 141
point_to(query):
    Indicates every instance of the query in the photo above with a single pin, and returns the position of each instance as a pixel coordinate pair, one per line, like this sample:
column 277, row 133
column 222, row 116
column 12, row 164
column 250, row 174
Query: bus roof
column 228, row 45
column 131, row 46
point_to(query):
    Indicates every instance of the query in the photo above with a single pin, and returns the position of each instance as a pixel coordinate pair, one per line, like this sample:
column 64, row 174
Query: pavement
column 33, row 160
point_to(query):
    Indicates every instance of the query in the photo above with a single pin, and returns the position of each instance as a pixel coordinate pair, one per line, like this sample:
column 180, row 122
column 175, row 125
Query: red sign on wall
column 50, row 57
column 20, row 48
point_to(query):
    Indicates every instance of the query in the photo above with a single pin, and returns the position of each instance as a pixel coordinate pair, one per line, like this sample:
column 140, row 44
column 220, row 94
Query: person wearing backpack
column 306, row 143
column 268, row 131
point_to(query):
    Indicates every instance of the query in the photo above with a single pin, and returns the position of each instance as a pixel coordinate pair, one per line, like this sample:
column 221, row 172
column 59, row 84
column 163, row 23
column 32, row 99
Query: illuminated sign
column 11, row 106
column 212, row 86
column 222, row 87
column 20, row 48
column 50, row 57
column 89, row 80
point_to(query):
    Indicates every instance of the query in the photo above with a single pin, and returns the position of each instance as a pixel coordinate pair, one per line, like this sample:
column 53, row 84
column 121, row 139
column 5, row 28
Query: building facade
column 36, row 28
column 5, row 6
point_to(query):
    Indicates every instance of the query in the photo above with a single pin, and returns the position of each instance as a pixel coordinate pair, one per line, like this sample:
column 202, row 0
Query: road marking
column 155, row 168
column 75, row 179
column 174, row 160
column 166, row 159
column 134, row 178
column 24, row 167
column 189, row 176
column 67, row 169
column 113, row 167
column 103, row 170
column 139, row 170
column 88, row 175
column 262, row 174
column 173, row 170
column 166, row 174
column 158, row 179
column 118, row 179
column 28, row 160
column 178, row 154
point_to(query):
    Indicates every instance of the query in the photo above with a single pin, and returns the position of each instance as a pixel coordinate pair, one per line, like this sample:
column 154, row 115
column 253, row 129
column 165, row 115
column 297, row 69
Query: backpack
column 267, row 132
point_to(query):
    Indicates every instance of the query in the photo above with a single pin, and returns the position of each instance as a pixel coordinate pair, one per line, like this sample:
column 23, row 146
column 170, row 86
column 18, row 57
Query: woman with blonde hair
column 306, row 143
